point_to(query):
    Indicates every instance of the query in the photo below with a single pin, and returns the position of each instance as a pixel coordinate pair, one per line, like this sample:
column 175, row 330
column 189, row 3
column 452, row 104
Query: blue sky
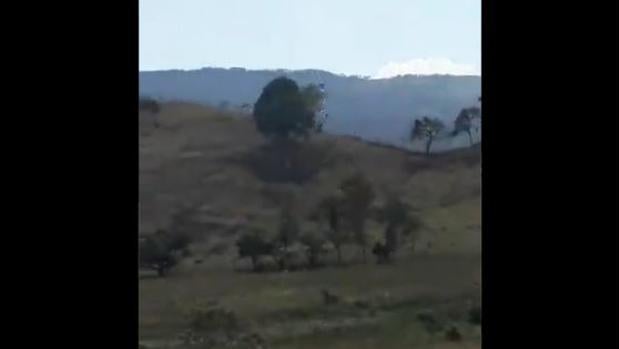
column 353, row 37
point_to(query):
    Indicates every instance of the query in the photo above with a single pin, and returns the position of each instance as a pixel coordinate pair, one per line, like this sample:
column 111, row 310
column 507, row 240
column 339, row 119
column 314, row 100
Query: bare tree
column 426, row 128
column 464, row 121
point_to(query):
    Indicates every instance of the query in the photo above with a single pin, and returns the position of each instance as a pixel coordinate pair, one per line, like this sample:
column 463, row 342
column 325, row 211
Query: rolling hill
column 196, row 167
column 196, row 175
column 373, row 109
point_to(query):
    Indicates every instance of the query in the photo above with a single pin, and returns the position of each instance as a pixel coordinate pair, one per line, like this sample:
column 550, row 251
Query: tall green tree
column 282, row 112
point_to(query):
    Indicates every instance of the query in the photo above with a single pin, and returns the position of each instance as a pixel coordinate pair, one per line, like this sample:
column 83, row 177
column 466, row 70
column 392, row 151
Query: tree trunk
column 312, row 259
column 468, row 131
column 428, row 145
column 254, row 263
column 338, row 249
column 282, row 265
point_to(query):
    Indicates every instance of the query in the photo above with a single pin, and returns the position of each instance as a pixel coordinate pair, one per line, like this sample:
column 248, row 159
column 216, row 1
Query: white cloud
column 425, row 66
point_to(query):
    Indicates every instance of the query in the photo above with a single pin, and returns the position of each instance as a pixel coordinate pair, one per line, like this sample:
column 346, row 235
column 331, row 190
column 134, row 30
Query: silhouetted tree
column 314, row 247
column 358, row 196
column 381, row 252
column 399, row 222
column 282, row 112
column 161, row 250
column 464, row 121
column 330, row 210
column 426, row 128
column 149, row 104
column 254, row 245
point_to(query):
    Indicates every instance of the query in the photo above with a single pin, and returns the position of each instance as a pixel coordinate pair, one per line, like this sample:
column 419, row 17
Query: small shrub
column 314, row 248
column 214, row 320
column 149, row 104
column 362, row 304
column 162, row 250
column 254, row 245
column 329, row 298
column 429, row 321
column 453, row 334
column 253, row 341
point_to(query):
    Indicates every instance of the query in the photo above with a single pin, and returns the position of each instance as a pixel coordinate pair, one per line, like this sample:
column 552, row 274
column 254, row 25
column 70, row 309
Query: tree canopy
column 282, row 111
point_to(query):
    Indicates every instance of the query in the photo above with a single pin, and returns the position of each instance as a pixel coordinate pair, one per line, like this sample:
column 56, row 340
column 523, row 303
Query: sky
column 371, row 38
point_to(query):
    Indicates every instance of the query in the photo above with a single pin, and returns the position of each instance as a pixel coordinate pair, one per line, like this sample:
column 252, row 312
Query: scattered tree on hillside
column 288, row 233
column 149, row 104
column 329, row 210
column 161, row 251
column 314, row 247
column 464, row 121
column 426, row 128
column 399, row 222
column 314, row 97
column 254, row 245
column 288, row 228
column 358, row 196
column 282, row 112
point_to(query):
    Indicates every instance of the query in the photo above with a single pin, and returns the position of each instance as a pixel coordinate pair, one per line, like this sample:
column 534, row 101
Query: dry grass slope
column 193, row 163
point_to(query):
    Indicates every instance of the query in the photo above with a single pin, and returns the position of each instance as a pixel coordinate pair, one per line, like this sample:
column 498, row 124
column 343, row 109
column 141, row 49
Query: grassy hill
column 197, row 171
column 357, row 106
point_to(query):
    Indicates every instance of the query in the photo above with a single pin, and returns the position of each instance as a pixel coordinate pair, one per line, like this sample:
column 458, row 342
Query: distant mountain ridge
column 379, row 110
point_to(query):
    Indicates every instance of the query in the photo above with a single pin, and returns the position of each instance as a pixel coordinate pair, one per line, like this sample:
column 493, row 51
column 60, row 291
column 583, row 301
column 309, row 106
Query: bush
column 212, row 326
column 453, row 334
column 213, row 320
column 149, row 104
column 253, row 245
column 329, row 298
column 161, row 251
column 430, row 322
column 314, row 248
